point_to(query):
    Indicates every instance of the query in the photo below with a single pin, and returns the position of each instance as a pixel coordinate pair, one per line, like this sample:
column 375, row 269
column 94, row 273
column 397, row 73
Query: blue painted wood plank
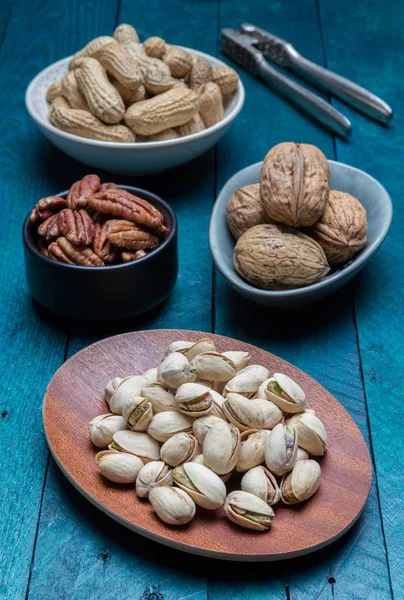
column 110, row 561
column 321, row 340
column 35, row 342
column 374, row 35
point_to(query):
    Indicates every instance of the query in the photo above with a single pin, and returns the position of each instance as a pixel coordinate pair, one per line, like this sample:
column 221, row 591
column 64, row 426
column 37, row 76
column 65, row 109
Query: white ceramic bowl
column 369, row 192
column 133, row 158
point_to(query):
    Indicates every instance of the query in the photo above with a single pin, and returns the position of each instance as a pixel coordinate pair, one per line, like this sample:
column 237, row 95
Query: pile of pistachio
column 180, row 431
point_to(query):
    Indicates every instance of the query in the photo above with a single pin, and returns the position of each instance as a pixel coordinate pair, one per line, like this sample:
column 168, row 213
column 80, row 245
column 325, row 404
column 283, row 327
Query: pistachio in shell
column 202, row 484
column 301, row 483
column 153, row 474
column 251, row 414
column 119, row 467
column 260, row 482
column 166, row 424
column 221, row 447
column 172, row 505
column 272, row 257
column 285, row 393
column 281, row 449
column 178, row 449
column 103, row 427
column 249, row 511
column 294, row 185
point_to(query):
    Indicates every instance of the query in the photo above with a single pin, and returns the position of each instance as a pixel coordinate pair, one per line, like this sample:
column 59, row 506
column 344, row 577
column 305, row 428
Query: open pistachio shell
column 203, row 485
column 172, row 505
column 260, row 482
column 103, row 427
column 193, row 399
column 312, row 434
column 126, row 391
column 221, row 447
column 251, row 414
column 166, row 424
column 162, row 399
column 138, row 443
column 179, row 346
column 240, row 359
column 301, row 483
column 112, row 386
column 285, row 393
column 202, row 425
column 118, row 466
column 202, row 345
column 180, row 448
column 248, row 511
column 154, row 474
column 137, row 413
column 214, row 366
column 247, row 381
column 175, row 370
column 281, row 449
column 252, row 449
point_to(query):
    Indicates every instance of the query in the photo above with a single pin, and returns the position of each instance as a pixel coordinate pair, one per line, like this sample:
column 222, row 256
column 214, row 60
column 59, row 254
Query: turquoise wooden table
column 55, row 545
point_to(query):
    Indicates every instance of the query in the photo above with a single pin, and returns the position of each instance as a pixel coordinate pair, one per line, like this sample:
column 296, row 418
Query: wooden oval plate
column 75, row 396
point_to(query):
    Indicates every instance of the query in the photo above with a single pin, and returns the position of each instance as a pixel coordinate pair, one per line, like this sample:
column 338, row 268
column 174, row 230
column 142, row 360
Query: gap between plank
column 372, row 456
column 361, row 373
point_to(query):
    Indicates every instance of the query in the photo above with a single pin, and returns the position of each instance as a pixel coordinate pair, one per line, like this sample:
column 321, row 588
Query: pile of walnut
column 96, row 225
column 290, row 227
column 180, row 430
column 118, row 90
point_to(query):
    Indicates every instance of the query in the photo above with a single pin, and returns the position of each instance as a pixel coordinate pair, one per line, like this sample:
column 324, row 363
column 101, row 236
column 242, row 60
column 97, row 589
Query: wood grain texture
column 376, row 36
column 75, row 396
column 320, row 339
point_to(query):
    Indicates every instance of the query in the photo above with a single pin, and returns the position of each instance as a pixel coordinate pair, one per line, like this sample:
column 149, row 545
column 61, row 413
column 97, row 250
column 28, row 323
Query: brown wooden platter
column 75, row 395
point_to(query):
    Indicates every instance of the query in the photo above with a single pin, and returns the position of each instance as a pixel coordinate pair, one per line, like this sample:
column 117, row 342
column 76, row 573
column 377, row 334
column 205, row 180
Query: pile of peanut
column 96, row 225
column 118, row 90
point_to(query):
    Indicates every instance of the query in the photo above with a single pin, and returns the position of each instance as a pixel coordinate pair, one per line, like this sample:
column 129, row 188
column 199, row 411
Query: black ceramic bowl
column 107, row 293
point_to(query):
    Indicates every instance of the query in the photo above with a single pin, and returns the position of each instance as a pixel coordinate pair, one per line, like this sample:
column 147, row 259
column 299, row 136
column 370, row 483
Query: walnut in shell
column 244, row 210
column 295, row 181
column 341, row 230
column 273, row 257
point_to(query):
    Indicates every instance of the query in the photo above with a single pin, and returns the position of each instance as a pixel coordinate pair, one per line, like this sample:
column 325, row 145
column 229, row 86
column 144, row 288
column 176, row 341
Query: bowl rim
column 42, row 123
column 237, row 282
column 150, row 197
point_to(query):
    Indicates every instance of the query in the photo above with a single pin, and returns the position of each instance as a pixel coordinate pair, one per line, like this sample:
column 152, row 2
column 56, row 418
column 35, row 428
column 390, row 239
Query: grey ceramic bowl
column 369, row 192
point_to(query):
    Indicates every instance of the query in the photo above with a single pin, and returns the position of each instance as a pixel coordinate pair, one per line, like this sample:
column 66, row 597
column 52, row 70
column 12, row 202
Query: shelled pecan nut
column 49, row 229
column 77, row 226
column 126, row 234
column 50, row 205
column 102, row 246
column 81, row 191
column 40, row 244
column 63, row 251
column 107, row 186
column 131, row 256
column 121, row 203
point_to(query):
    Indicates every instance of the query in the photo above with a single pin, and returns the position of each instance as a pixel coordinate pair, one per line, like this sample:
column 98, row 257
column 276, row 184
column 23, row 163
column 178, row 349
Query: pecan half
column 121, row 203
column 125, row 234
column 102, row 246
column 41, row 246
column 77, row 226
column 107, row 186
column 81, row 191
column 34, row 218
column 49, row 206
column 162, row 231
column 49, row 229
column 64, row 251
column 131, row 256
